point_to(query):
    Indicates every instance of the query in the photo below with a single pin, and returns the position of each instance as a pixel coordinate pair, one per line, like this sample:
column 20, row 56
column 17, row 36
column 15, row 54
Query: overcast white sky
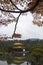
column 25, row 27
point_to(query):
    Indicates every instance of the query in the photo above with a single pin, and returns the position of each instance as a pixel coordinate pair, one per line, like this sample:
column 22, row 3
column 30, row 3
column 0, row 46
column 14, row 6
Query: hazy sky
column 25, row 27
